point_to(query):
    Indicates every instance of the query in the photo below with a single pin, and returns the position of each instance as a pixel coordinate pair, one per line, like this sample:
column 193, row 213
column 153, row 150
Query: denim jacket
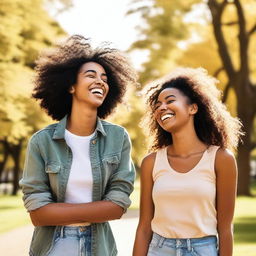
column 47, row 167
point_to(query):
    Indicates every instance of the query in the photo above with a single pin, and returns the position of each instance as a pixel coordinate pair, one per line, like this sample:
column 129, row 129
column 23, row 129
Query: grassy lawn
column 13, row 215
column 245, row 225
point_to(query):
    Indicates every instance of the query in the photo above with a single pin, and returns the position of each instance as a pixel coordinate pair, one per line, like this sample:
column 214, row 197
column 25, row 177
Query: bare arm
column 144, row 232
column 226, row 172
column 58, row 214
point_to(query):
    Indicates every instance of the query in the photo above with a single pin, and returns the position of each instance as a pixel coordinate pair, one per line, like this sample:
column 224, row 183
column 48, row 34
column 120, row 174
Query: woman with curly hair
column 78, row 172
column 188, row 184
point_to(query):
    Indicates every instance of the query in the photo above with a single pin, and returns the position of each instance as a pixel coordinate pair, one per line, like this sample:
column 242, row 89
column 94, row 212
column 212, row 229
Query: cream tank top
column 185, row 202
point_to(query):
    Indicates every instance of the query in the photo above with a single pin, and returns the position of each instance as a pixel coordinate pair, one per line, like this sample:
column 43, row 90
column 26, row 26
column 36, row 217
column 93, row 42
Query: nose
column 162, row 107
column 99, row 80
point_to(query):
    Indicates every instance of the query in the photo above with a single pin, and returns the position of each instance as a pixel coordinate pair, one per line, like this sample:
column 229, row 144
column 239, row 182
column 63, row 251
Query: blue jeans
column 205, row 246
column 72, row 241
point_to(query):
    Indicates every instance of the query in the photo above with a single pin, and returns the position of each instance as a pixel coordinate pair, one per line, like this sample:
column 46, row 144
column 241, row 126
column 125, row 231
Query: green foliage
column 10, row 28
column 162, row 29
column 25, row 29
column 129, row 115
column 14, row 90
column 165, row 27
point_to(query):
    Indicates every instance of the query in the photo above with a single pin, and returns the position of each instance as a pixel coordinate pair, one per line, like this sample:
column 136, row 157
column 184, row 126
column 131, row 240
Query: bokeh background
column 157, row 35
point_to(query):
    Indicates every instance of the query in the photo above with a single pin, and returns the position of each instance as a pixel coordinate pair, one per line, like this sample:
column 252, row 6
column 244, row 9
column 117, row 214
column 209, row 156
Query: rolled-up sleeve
column 120, row 184
column 35, row 182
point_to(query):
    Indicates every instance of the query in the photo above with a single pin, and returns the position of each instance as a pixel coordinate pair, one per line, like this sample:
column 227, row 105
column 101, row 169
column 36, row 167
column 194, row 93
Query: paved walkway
column 16, row 242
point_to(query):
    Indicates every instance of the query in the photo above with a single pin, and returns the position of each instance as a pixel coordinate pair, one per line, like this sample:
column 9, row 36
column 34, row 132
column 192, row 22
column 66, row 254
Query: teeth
column 97, row 91
column 166, row 116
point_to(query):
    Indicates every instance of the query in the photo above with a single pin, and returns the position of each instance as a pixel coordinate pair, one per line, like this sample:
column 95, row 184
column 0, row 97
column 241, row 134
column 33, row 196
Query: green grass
column 12, row 213
column 245, row 227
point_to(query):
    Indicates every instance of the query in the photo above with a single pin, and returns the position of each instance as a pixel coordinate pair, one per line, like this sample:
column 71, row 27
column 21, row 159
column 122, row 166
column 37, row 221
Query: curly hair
column 213, row 123
column 57, row 68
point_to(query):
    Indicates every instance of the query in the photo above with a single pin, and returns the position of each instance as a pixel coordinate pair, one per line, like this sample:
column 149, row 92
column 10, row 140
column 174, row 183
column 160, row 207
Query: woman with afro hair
column 78, row 173
column 188, row 182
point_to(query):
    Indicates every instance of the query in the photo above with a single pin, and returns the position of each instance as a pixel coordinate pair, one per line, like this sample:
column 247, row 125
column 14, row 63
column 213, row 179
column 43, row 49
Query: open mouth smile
column 166, row 116
column 97, row 91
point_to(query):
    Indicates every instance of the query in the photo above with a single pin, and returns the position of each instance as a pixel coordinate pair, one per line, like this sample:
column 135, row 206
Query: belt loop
column 189, row 244
column 177, row 243
column 161, row 242
column 62, row 231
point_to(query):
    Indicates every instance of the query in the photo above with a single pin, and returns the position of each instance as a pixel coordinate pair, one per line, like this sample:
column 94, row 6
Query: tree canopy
column 25, row 29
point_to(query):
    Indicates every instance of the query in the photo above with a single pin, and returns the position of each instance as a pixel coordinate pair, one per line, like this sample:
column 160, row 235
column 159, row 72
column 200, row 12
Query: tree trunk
column 243, row 164
column 16, row 154
column 5, row 157
column 244, row 149
column 239, row 79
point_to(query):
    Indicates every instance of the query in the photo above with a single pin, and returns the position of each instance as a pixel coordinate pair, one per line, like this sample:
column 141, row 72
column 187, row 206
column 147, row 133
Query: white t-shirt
column 79, row 187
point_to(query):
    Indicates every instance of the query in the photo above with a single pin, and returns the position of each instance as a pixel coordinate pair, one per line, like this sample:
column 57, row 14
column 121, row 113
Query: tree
column 239, row 78
column 163, row 28
column 25, row 29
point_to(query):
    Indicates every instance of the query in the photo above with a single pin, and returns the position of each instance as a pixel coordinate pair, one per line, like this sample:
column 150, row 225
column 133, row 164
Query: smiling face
column 173, row 111
column 91, row 87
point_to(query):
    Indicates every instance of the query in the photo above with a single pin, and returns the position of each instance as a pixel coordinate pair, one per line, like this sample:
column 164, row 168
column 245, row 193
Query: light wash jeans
column 72, row 241
column 205, row 246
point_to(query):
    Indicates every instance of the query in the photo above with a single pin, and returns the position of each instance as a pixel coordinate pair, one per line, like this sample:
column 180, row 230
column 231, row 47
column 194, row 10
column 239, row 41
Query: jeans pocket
column 55, row 239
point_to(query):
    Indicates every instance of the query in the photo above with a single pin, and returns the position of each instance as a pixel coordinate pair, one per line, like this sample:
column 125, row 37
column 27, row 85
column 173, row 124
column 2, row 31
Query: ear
column 193, row 108
column 72, row 89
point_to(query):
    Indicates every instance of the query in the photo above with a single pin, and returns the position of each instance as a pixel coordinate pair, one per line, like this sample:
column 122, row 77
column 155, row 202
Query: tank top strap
column 211, row 151
column 159, row 161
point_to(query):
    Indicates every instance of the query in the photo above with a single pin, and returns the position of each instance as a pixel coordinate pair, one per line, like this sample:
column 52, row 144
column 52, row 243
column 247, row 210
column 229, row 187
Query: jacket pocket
column 53, row 170
column 110, row 165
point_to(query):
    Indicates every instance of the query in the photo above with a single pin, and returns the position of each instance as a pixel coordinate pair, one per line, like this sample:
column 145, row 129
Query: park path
column 16, row 242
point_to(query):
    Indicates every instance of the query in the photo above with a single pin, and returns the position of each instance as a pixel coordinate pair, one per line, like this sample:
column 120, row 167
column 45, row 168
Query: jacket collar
column 59, row 131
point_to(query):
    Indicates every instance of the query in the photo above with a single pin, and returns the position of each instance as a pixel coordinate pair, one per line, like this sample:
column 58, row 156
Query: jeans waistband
column 183, row 242
column 64, row 231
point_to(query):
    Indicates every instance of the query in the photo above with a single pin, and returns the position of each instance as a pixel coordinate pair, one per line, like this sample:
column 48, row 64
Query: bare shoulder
column 224, row 154
column 146, row 175
column 147, row 164
column 149, row 160
column 225, row 160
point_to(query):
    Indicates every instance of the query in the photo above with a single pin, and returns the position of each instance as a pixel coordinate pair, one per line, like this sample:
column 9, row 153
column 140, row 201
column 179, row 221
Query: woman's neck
column 185, row 143
column 82, row 123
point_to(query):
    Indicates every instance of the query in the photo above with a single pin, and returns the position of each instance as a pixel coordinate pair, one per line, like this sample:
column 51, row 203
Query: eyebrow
column 168, row 96
column 93, row 71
